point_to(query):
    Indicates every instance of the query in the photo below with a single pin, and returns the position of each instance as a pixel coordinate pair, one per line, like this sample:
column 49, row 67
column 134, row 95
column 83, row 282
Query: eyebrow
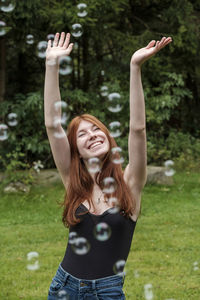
column 84, row 129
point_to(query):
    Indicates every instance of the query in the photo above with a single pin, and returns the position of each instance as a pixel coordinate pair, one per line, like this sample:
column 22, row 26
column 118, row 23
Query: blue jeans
column 64, row 286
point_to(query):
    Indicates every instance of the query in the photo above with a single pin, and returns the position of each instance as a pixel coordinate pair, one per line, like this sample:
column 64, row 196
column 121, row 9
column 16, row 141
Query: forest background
column 111, row 31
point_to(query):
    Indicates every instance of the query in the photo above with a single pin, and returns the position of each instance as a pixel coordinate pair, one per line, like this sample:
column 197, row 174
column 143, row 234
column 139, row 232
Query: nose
column 92, row 134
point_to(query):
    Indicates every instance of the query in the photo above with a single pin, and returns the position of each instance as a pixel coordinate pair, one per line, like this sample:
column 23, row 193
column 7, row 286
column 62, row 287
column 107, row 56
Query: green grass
column 165, row 244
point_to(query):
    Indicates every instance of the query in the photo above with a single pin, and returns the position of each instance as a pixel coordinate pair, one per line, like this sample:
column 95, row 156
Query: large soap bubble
column 82, row 10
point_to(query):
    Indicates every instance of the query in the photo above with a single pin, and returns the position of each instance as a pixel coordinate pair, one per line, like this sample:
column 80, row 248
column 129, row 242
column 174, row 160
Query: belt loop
column 66, row 277
column 93, row 284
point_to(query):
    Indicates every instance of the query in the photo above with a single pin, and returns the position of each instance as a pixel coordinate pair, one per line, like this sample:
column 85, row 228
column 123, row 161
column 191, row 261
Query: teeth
column 95, row 144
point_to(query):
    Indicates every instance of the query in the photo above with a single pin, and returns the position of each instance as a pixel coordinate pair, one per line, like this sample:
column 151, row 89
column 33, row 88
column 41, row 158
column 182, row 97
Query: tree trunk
column 2, row 68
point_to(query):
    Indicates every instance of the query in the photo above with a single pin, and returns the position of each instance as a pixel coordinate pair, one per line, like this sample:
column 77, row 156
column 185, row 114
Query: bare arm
column 135, row 172
column 59, row 146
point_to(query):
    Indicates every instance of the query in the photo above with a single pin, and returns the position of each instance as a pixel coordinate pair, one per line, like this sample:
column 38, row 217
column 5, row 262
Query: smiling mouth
column 96, row 144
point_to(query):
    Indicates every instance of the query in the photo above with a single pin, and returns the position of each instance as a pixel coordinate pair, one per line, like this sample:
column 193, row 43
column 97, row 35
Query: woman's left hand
column 143, row 54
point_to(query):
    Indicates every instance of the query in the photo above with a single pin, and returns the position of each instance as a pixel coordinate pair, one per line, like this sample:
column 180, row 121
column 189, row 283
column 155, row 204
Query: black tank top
column 99, row 245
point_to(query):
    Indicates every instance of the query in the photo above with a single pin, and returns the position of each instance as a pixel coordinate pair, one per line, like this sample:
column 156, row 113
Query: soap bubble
column 12, row 119
column 42, row 46
column 82, row 12
column 77, row 30
column 2, row 28
column 118, row 267
column 65, row 63
column 3, row 132
column 93, row 165
column 104, row 91
column 72, row 237
column 81, row 246
column 51, row 37
column 61, row 117
column 7, row 5
column 136, row 274
column 29, row 39
column 169, row 171
column 148, row 294
column 62, row 295
column 195, row 266
column 102, row 231
column 115, row 156
column 113, row 201
column 31, row 256
column 102, row 72
column 114, row 102
column 114, row 129
column 109, row 185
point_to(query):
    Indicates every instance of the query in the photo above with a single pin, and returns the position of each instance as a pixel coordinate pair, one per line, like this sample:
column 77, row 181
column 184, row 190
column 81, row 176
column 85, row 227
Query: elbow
column 137, row 128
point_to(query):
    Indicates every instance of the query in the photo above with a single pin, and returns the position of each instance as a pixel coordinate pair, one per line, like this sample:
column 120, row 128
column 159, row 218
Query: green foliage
column 29, row 135
column 13, row 165
column 112, row 31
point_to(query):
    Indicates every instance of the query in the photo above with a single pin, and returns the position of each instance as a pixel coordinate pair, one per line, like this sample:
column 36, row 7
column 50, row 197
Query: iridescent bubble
column 81, row 246
column 50, row 36
column 118, row 267
column 114, row 129
column 82, row 10
column 104, row 91
column 109, row 185
column 169, row 172
column 60, row 105
column 148, row 293
column 77, row 30
column 195, row 266
column 12, row 119
column 65, row 63
column 29, row 39
column 2, row 28
column 113, row 201
column 7, row 5
column 102, row 231
column 114, row 102
column 72, row 237
column 32, row 256
column 60, row 119
column 115, row 156
column 62, row 295
column 3, row 132
column 136, row 274
column 93, row 165
column 42, row 46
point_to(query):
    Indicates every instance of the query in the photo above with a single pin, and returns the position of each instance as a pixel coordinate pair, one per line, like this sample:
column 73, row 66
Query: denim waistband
column 78, row 283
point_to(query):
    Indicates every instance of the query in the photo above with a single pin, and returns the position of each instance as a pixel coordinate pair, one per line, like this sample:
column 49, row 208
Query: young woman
column 102, row 202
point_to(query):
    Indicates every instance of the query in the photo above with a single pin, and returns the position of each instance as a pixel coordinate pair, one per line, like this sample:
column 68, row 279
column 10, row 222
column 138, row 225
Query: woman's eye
column 96, row 128
column 81, row 134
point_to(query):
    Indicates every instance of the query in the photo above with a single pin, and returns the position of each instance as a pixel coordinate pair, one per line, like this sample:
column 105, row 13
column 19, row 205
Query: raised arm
column 59, row 145
column 135, row 173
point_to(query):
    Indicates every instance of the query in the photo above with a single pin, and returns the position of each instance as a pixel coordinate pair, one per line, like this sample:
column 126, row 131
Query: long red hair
column 80, row 185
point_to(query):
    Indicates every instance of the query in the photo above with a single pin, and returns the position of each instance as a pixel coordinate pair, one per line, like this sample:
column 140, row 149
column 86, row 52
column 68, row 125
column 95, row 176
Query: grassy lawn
column 165, row 251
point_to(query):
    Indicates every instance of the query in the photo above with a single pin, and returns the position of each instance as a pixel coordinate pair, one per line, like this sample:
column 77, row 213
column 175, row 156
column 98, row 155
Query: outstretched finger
column 150, row 44
column 62, row 37
column 49, row 44
column 69, row 49
column 55, row 42
column 67, row 38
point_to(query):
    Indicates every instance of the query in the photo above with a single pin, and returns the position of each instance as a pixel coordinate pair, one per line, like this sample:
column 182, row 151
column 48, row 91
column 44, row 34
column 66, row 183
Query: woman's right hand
column 61, row 47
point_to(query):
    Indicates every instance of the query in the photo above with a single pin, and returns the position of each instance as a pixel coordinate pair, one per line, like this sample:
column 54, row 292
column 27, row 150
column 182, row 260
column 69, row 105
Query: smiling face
column 91, row 141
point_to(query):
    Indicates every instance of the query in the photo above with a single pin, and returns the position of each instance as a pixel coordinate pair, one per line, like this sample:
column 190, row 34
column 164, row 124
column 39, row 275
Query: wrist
column 52, row 62
column 135, row 66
